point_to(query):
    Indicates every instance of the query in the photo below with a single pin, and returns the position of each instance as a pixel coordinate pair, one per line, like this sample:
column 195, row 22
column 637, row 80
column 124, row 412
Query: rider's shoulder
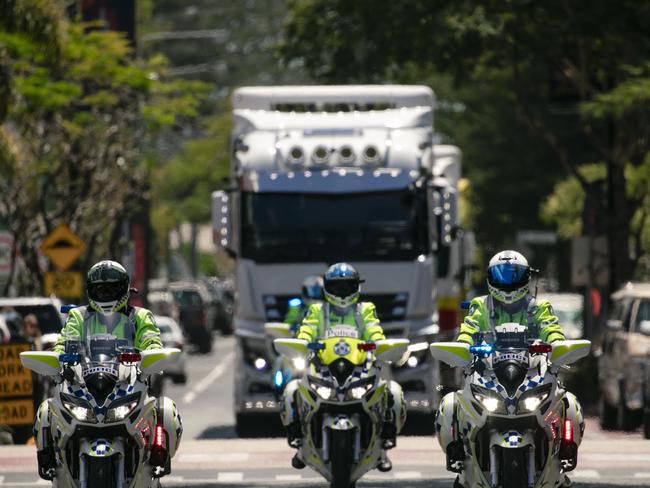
column 141, row 312
column 543, row 304
column 366, row 305
column 478, row 301
column 315, row 308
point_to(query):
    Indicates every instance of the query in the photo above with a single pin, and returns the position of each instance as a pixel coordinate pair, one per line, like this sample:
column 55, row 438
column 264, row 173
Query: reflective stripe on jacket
column 541, row 313
column 137, row 327
column 362, row 317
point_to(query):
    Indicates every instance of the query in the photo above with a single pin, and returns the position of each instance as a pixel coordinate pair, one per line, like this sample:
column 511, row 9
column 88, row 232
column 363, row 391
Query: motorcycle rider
column 108, row 287
column 341, row 307
column 312, row 292
column 509, row 301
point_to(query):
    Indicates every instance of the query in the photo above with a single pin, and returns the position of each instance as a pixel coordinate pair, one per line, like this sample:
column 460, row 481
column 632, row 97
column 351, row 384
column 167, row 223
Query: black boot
column 296, row 462
column 384, row 465
column 389, row 435
column 294, row 434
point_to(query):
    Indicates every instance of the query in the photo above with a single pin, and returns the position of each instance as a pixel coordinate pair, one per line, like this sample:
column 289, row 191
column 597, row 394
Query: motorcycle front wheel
column 101, row 472
column 513, row 468
column 341, row 458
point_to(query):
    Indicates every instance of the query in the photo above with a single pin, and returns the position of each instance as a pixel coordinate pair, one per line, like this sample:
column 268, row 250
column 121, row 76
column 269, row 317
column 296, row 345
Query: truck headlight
column 532, row 399
column 488, row 399
column 78, row 408
column 119, row 409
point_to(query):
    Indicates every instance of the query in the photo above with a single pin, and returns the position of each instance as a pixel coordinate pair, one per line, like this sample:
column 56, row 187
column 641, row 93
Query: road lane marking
column 203, row 385
column 2, row 479
column 407, row 475
column 288, row 477
column 642, row 475
column 230, row 477
column 615, row 457
column 586, row 473
column 226, row 457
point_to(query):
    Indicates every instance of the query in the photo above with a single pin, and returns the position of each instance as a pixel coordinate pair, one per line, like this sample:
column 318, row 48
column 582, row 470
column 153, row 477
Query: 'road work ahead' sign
column 16, row 388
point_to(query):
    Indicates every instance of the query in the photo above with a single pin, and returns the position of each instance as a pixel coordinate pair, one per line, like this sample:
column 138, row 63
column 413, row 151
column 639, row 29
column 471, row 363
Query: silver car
column 171, row 336
column 624, row 358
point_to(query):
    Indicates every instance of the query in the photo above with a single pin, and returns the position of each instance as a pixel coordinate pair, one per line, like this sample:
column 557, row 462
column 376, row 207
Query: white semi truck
column 323, row 174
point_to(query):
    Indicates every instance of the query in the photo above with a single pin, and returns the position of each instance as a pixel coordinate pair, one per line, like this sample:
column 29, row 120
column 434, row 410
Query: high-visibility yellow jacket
column 540, row 313
column 136, row 325
column 362, row 317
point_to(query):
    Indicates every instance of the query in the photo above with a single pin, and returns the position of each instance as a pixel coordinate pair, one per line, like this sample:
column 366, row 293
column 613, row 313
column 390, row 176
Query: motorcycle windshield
column 342, row 348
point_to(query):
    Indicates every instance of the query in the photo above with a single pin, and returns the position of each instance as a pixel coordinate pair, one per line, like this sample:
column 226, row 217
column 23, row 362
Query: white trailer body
column 322, row 174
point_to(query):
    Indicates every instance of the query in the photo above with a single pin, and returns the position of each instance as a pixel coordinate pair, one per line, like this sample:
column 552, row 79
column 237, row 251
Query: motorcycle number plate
column 342, row 331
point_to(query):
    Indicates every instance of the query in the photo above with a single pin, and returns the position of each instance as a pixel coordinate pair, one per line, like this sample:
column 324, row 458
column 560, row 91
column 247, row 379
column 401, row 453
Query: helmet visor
column 107, row 292
column 508, row 276
column 341, row 288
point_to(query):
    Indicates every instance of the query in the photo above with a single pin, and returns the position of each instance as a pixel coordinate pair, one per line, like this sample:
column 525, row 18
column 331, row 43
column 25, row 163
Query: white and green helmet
column 107, row 286
column 508, row 276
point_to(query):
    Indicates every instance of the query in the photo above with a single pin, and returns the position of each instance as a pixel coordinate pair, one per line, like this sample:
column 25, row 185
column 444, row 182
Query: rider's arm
column 71, row 330
column 549, row 326
column 147, row 334
column 293, row 315
column 473, row 322
column 373, row 331
column 309, row 329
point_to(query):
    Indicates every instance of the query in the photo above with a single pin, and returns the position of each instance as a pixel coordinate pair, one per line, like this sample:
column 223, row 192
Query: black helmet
column 107, row 286
column 341, row 285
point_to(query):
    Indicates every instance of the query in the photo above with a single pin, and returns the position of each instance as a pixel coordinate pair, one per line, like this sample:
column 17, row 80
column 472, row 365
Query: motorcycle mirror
column 455, row 354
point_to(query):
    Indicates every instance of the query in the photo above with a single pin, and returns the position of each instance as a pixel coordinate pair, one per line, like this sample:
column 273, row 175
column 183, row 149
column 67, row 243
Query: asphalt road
column 211, row 455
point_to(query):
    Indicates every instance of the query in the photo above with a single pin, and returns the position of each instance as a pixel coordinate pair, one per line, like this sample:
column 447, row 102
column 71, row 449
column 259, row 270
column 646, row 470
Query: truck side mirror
column 222, row 228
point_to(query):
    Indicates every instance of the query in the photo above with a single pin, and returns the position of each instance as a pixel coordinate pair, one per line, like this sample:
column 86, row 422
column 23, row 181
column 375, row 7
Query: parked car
column 47, row 311
column 569, row 308
column 172, row 336
column 625, row 358
column 224, row 300
column 182, row 301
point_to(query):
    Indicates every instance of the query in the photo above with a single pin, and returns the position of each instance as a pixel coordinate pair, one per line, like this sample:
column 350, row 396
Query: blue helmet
column 341, row 285
column 312, row 288
column 508, row 276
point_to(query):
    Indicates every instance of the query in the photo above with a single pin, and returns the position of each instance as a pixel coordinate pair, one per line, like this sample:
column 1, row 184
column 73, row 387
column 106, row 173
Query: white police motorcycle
column 513, row 424
column 102, row 429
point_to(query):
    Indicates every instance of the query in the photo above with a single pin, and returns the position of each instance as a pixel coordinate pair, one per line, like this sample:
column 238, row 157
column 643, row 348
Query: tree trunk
column 619, row 218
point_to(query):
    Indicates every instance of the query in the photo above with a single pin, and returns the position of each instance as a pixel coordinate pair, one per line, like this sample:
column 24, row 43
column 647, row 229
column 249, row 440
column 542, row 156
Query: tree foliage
column 574, row 75
column 79, row 112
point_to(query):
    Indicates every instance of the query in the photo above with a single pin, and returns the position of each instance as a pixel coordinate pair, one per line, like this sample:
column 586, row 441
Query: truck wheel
column 607, row 414
column 624, row 416
column 646, row 421
column 245, row 425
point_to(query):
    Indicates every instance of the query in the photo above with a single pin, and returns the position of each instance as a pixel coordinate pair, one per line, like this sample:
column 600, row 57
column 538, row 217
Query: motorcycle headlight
column 119, row 409
column 324, row 389
column 419, row 353
column 358, row 389
column 533, row 399
column 78, row 408
column 488, row 399
column 299, row 363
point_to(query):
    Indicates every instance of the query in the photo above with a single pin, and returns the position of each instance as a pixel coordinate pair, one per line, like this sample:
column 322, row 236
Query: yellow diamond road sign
column 63, row 247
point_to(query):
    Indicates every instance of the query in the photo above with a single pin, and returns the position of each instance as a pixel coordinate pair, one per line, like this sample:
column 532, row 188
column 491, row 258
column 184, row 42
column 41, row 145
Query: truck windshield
column 298, row 227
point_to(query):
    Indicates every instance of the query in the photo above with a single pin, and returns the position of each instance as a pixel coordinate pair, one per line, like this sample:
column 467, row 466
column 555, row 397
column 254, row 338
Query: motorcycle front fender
column 512, row 439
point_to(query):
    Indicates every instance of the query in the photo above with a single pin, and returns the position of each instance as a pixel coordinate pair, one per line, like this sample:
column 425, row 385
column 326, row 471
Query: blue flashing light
column 482, row 350
column 315, row 346
column 67, row 308
column 69, row 358
column 278, row 378
column 295, row 302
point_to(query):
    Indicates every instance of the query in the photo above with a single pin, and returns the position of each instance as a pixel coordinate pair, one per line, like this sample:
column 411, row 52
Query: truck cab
column 324, row 174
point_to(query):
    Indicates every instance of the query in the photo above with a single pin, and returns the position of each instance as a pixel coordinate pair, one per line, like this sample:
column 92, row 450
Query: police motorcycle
column 102, row 429
column 513, row 424
column 341, row 402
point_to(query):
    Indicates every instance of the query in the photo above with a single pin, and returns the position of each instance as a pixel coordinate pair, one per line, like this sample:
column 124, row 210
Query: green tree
column 80, row 113
column 563, row 67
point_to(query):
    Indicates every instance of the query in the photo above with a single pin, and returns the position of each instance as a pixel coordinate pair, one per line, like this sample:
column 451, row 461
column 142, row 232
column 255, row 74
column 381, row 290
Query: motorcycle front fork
column 494, row 466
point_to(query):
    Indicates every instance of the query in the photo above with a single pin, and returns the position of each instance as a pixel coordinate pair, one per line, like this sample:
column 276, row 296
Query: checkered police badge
column 342, row 348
